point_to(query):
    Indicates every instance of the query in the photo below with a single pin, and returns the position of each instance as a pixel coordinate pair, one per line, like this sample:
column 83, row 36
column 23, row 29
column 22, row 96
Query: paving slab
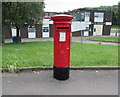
column 81, row 82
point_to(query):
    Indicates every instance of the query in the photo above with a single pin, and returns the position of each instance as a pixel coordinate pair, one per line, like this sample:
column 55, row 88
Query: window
column 98, row 16
column 31, row 29
column 45, row 29
column 87, row 16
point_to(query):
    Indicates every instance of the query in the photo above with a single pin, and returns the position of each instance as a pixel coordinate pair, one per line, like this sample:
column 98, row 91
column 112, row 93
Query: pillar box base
column 61, row 73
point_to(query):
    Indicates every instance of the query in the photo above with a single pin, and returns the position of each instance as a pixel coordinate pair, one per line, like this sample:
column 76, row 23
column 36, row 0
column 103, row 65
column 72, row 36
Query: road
column 79, row 83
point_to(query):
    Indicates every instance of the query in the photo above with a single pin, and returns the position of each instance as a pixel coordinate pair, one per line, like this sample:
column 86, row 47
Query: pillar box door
column 62, row 30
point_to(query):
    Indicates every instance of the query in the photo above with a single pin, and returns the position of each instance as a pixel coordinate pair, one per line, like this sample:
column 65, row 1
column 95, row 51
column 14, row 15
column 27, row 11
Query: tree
column 17, row 14
column 114, row 9
column 118, row 16
column 0, row 23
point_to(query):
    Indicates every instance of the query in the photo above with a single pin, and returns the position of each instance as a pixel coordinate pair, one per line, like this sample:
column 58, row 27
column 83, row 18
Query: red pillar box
column 62, row 30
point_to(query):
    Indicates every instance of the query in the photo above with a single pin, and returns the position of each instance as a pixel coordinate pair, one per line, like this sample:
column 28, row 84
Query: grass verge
column 115, row 27
column 107, row 39
column 33, row 54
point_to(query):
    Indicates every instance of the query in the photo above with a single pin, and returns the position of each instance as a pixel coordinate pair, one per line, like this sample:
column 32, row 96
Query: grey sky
column 65, row 5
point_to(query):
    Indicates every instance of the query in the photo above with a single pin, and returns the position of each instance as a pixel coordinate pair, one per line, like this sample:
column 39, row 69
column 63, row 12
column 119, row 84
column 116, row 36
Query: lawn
column 115, row 27
column 107, row 39
column 31, row 54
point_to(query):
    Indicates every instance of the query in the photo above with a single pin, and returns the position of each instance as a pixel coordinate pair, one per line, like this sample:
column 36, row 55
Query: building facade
column 85, row 22
column 94, row 23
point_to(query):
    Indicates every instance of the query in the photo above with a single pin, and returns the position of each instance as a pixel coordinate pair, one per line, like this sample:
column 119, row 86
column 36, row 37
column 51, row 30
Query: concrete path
column 78, row 39
column 30, row 39
column 79, row 83
column 74, row 39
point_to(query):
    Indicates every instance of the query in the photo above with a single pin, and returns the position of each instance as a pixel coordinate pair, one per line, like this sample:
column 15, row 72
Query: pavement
column 85, row 40
column 74, row 39
column 22, row 69
column 30, row 39
column 81, row 82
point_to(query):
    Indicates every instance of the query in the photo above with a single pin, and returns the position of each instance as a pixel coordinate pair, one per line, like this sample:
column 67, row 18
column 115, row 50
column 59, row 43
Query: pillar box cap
column 62, row 17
